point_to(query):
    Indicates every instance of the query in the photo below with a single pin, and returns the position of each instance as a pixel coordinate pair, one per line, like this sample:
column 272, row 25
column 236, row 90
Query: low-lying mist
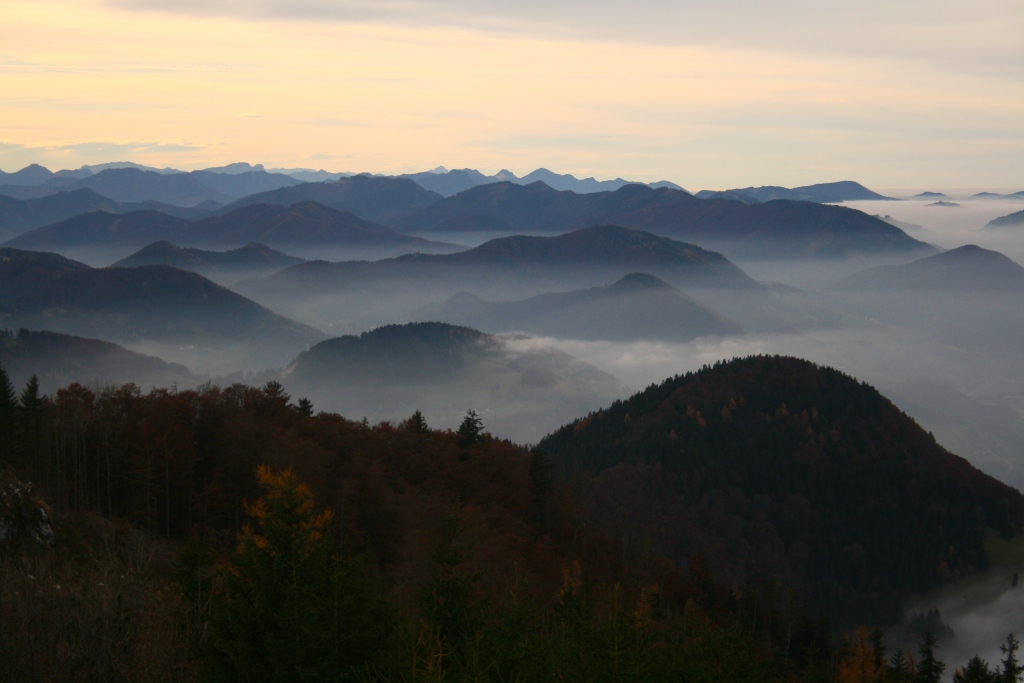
column 972, row 409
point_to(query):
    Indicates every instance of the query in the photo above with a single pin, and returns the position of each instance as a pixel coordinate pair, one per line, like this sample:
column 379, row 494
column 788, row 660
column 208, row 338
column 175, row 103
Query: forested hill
column 776, row 468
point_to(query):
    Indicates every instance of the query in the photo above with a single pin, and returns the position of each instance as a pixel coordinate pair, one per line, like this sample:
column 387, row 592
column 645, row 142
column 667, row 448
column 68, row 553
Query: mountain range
column 779, row 228
column 18, row 216
column 963, row 269
column 305, row 224
column 519, row 261
column 146, row 304
column 744, row 228
column 252, row 260
column 1012, row 220
column 842, row 191
column 637, row 307
column 447, row 183
column 60, row 359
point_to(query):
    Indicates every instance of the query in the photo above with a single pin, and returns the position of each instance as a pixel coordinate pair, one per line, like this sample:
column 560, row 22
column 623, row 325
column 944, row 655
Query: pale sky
column 709, row 94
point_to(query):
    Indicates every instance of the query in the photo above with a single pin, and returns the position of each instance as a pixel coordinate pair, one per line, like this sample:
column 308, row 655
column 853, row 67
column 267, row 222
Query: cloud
column 979, row 35
column 100, row 147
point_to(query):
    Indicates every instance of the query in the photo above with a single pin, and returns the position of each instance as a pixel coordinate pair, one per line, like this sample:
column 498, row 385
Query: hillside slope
column 777, row 470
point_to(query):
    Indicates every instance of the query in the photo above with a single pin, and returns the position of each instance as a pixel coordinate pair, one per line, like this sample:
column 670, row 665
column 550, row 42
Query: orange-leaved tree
column 292, row 607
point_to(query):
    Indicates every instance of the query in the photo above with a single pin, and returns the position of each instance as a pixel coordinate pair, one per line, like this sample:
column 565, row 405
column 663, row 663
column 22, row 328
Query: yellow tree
column 292, row 607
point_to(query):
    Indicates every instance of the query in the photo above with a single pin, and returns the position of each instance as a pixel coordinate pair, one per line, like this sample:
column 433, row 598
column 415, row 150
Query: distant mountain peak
column 639, row 281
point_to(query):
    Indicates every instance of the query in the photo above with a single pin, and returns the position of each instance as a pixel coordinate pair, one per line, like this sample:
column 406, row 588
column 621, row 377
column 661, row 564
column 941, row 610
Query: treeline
column 235, row 534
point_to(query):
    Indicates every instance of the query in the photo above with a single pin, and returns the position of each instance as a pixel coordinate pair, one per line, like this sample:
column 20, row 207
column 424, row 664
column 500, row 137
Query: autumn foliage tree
column 292, row 607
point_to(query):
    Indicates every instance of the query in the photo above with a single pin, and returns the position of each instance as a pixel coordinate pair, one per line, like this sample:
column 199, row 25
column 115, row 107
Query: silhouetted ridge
column 965, row 268
column 416, row 353
column 779, row 470
column 1008, row 221
column 375, row 199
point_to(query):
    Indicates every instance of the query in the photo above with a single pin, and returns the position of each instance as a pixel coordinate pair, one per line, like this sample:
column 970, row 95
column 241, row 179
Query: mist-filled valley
column 507, row 315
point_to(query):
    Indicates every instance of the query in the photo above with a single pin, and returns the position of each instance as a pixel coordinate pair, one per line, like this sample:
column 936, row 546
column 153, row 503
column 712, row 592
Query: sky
column 708, row 94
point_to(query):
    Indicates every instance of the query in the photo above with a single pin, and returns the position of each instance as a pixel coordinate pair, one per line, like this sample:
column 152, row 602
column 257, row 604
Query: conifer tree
column 447, row 600
column 899, row 668
column 1012, row 668
column 471, row 430
column 930, row 669
column 975, row 671
column 8, row 416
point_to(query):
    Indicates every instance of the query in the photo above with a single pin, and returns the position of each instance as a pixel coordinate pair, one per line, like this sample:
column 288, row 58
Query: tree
column 900, row 669
column 447, row 599
column 976, row 671
column 8, row 415
column 1012, row 669
column 291, row 608
column 471, row 430
column 417, row 424
column 930, row 669
column 30, row 437
column 305, row 407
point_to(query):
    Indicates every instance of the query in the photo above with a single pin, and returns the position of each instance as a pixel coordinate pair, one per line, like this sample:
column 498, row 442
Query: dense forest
column 235, row 533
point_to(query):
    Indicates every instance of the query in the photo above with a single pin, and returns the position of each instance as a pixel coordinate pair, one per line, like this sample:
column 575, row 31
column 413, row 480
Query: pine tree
column 930, row 669
column 447, row 599
column 1012, row 669
column 30, row 427
column 975, row 671
column 417, row 424
column 471, row 430
column 305, row 407
column 8, row 417
column 878, row 652
column 899, row 668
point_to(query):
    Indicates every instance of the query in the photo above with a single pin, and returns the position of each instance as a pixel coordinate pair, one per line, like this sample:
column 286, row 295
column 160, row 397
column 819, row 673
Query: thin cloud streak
column 978, row 36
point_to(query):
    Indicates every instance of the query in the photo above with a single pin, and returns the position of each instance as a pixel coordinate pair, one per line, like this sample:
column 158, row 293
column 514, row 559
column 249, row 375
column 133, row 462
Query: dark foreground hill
column 637, row 307
column 777, row 470
column 967, row 268
column 521, row 389
column 150, row 304
column 774, row 229
column 61, row 359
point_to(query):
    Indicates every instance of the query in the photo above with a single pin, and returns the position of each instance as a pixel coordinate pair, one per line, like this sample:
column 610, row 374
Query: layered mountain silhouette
column 377, row 199
column 251, row 260
column 33, row 174
column 521, row 389
column 447, row 183
column 637, row 307
column 779, row 228
column 963, row 269
column 776, row 471
column 19, row 215
column 519, row 261
column 1012, row 220
column 102, row 229
column 134, row 184
column 306, row 224
column 60, row 359
column 842, row 191
column 147, row 303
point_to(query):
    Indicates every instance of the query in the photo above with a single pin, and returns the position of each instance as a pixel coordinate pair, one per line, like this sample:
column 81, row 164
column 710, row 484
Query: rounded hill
column 784, row 473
